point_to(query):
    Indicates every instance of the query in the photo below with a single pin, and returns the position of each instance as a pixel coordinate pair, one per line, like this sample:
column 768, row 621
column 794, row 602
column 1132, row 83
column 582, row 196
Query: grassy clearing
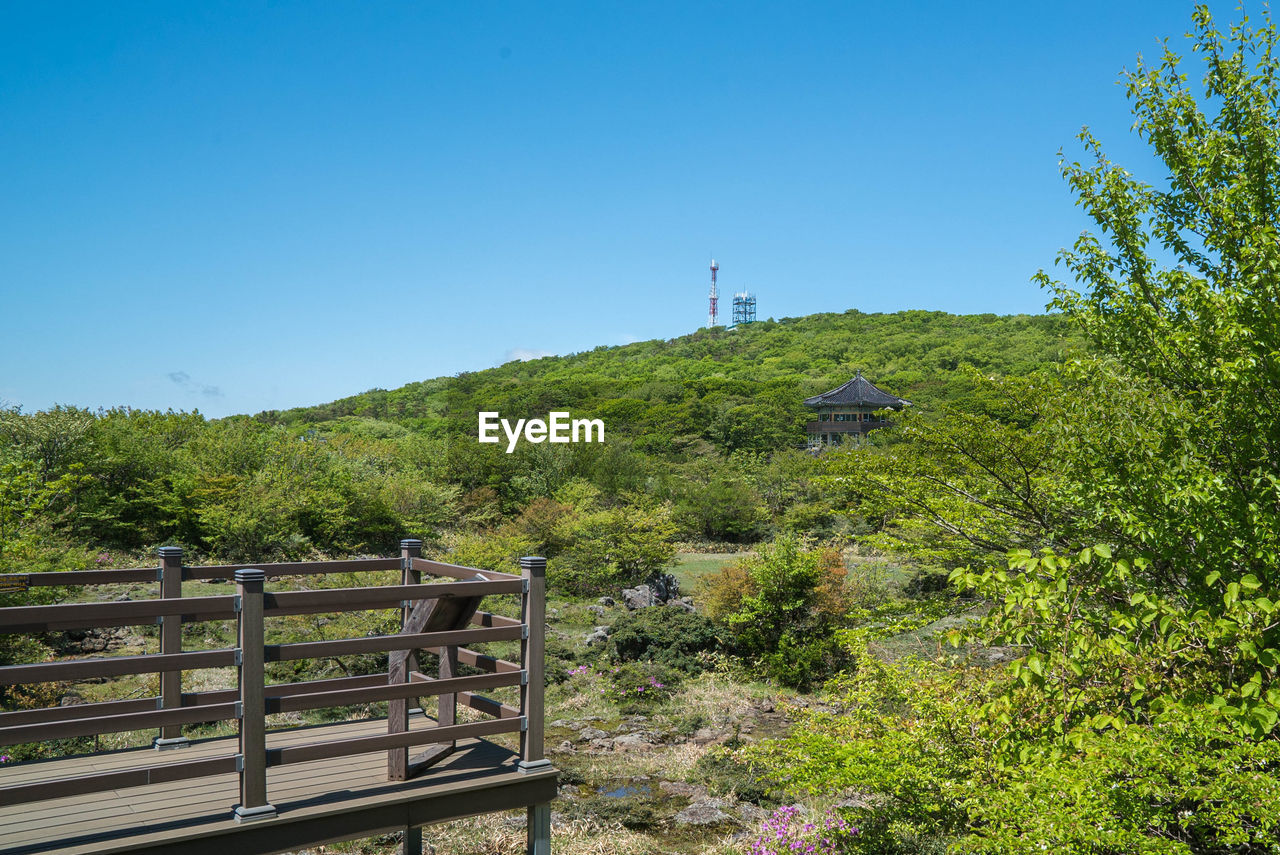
column 691, row 566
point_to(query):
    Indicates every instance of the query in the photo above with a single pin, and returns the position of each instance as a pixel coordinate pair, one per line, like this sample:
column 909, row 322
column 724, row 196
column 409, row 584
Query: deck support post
column 253, row 710
column 538, row 827
column 398, row 667
column 534, row 616
column 412, row 841
column 170, row 642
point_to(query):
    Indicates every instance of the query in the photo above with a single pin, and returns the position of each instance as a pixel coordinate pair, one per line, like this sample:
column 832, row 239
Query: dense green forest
column 705, row 432
column 1085, row 504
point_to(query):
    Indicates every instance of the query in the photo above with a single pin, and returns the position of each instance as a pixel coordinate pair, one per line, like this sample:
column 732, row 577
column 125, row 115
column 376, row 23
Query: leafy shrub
column 607, row 549
column 688, row 724
column 666, row 635
column 635, row 687
column 724, row 772
column 561, row 659
column 785, row 622
column 724, row 509
column 720, row 594
column 972, row 759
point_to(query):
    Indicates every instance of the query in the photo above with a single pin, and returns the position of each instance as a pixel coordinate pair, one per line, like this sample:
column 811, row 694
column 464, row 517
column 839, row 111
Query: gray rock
column 680, row 604
column 639, row 597
column 632, row 742
column 598, row 636
column 767, row 705
column 680, row 788
column 598, row 611
column 607, row 601
column 703, row 813
column 566, row 745
column 659, row 589
column 591, row 733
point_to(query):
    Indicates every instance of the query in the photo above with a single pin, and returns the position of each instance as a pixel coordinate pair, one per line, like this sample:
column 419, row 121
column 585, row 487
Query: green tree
column 610, row 548
column 965, row 482
column 785, row 620
column 1170, row 433
column 1142, row 713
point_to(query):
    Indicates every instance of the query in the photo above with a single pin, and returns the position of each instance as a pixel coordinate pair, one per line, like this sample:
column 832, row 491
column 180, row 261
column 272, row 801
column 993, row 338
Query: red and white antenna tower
column 715, row 295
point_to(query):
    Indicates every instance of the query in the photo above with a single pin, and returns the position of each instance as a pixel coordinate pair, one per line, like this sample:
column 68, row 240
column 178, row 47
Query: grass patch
column 691, row 566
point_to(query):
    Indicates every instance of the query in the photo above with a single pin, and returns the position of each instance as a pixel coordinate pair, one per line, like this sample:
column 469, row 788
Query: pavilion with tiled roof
column 849, row 410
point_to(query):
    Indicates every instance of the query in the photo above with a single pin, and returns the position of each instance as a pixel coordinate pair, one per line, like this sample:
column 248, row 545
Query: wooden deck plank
column 109, row 761
column 337, row 799
column 280, row 778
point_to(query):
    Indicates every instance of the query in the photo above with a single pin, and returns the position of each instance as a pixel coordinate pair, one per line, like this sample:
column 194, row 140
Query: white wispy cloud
column 183, row 379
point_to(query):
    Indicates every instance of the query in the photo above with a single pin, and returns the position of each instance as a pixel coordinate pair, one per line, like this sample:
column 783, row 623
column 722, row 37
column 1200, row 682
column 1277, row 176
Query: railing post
column 170, row 642
column 398, row 667
column 410, row 548
column 534, row 616
column 253, row 710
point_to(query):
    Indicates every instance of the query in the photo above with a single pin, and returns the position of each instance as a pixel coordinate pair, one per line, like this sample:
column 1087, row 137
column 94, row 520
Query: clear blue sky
column 236, row 206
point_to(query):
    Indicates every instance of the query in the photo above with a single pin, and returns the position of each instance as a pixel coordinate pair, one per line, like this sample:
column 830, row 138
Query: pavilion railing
column 254, row 699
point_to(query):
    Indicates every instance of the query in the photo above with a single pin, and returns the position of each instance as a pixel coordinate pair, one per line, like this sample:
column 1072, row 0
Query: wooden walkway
column 318, row 801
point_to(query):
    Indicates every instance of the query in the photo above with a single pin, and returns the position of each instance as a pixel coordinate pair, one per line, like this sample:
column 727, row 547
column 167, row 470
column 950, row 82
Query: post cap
column 410, row 543
column 533, row 564
column 169, row 552
column 250, row 574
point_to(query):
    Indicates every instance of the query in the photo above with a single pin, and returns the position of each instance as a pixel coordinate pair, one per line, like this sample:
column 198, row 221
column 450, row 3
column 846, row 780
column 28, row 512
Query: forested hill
column 739, row 388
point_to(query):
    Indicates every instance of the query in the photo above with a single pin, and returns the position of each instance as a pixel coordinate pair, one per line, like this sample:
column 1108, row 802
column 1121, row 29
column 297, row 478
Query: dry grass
column 504, row 834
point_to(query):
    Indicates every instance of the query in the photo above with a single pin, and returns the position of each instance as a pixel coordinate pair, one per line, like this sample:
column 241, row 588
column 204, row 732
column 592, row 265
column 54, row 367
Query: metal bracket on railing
column 159, row 574
column 524, row 677
column 239, row 659
column 524, row 632
column 524, row 723
column 235, row 603
column 406, row 604
column 524, row 586
column 239, row 762
column 406, row 562
column 239, row 710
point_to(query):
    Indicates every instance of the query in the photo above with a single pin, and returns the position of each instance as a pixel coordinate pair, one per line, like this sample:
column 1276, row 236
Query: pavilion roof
column 858, row 392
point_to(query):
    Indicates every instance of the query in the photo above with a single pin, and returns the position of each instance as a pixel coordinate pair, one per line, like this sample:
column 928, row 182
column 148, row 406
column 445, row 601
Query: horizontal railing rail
column 206, row 572
column 80, row 785
column 447, row 623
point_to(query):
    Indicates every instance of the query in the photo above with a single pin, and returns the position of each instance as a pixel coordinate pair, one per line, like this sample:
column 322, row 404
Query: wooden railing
column 441, row 617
